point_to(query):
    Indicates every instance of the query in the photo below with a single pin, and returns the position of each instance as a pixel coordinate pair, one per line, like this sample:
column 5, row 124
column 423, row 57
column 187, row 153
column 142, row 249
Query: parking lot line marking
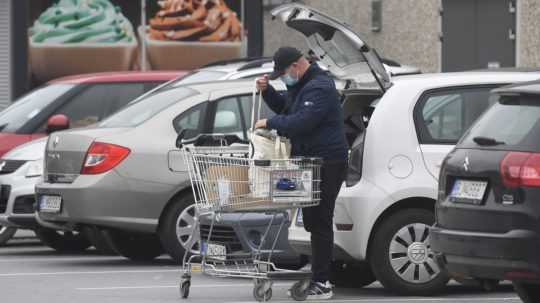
column 398, row 300
column 172, row 286
column 63, row 273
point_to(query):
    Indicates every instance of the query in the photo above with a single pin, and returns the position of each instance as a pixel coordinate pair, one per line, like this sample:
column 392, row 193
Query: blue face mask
column 289, row 80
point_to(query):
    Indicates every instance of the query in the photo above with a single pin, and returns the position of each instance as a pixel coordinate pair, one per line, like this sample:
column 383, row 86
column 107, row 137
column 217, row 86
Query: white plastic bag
column 266, row 145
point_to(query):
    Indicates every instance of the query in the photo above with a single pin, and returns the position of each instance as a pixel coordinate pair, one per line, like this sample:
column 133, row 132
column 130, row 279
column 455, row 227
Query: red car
column 74, row 101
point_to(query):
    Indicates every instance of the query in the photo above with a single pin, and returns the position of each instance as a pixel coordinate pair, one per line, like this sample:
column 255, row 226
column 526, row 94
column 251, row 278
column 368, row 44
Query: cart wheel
column 184, row 288
column 298, row 290
column 260, row 294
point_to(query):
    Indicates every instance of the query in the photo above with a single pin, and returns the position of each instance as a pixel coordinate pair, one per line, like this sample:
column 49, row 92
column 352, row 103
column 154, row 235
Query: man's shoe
column 319, row 291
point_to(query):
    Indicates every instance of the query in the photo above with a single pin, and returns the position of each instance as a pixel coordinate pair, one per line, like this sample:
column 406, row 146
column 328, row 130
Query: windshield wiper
column 487, row 141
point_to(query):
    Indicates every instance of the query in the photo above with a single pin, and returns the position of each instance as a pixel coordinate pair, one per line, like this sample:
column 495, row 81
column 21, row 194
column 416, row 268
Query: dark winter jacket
column 310, row 115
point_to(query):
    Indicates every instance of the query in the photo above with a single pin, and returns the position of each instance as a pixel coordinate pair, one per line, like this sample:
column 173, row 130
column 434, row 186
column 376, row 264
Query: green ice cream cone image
column 82, row 21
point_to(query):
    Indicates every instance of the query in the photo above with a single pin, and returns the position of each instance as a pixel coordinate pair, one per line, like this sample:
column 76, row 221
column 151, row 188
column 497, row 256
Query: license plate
column 468, row 191
column 299, row 218
column 215, row 251
column 50, row 204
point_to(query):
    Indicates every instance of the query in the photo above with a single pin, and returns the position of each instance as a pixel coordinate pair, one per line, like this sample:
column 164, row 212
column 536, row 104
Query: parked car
column 254, row 67
column 117, row 176
column 488, row 222
column 75, row 101
column 400, row 130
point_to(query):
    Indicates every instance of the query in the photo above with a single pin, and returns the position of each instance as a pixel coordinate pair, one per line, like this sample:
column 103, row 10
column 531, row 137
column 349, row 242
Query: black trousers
column 318, row 220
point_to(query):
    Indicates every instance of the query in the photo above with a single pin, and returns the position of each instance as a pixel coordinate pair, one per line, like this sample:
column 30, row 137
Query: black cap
column 284, row 57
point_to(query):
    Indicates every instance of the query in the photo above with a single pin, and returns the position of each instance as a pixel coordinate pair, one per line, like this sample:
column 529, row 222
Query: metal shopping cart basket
column 224, row 179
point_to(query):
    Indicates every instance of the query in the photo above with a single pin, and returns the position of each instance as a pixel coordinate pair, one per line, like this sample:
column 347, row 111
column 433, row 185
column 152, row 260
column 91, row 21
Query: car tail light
column 521, row 169
column 102, row 157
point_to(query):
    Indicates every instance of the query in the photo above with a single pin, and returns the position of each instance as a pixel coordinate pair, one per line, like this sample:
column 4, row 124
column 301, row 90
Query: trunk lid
column 332, row 42
column 66, row 152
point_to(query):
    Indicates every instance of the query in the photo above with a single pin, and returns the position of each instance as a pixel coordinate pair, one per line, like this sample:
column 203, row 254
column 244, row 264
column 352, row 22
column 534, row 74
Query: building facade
column 435, row 35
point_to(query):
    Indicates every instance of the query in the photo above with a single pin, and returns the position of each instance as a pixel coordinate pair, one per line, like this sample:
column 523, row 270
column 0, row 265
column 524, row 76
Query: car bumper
column 19, row 200
column 107, row 200
column 243, row 233
column 356, row 209
column 511, row 255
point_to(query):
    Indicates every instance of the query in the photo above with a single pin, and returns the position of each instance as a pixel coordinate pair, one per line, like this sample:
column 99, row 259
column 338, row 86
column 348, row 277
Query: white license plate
column 50, row 204
column 215, row 251
column 299, row 218
column 468, row 191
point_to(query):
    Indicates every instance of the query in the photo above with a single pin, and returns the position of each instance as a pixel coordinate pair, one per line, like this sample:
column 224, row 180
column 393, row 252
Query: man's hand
column 260, row 124
column 262, row 83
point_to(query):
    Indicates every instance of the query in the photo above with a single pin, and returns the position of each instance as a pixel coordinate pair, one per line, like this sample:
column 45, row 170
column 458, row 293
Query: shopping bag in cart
column 266, row 145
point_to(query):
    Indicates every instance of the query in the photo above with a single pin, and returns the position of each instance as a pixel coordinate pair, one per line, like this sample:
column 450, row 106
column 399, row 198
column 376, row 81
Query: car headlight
column 35, row 169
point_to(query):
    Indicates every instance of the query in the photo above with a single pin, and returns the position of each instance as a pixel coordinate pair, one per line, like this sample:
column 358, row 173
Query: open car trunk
column 358, row 105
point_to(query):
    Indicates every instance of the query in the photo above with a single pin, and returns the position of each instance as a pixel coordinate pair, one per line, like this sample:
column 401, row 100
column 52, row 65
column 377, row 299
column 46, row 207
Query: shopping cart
column 224, row 180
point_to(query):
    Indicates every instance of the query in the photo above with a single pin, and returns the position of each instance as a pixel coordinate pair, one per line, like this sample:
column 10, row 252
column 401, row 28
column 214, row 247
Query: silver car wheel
column 185, row 225
column 411, row 256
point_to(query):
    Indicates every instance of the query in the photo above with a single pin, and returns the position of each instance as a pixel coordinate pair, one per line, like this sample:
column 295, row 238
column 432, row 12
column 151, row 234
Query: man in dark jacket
column 310, row 115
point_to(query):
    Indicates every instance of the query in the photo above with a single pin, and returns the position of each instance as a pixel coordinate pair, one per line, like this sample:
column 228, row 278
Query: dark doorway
column 478, row 34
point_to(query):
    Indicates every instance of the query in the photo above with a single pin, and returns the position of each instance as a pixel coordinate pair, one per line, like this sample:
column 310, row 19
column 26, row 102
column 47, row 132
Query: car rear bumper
column 106, row 200
column 487, row 255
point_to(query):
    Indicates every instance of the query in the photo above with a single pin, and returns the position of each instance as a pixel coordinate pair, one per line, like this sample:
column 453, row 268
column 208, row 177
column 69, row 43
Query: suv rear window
column 514, row 123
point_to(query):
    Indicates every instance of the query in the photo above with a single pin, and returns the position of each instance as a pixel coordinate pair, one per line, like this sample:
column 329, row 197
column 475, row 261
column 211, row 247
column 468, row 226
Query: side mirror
column 57, row 123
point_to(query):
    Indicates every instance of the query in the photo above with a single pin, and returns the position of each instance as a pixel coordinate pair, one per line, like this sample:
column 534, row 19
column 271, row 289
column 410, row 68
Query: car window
column 147, row 107
column 98, row 101
column 228, row 118
column 444, row 116
column 191, row 120
column 514, row 124
column 29, row 106
column 245, row 103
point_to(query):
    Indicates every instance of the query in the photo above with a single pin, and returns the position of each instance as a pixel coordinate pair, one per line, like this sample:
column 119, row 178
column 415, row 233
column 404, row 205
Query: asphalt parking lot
column 30, row 272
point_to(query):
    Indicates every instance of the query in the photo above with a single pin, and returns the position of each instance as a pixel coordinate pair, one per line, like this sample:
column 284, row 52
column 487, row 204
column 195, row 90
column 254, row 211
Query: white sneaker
column 319, row 291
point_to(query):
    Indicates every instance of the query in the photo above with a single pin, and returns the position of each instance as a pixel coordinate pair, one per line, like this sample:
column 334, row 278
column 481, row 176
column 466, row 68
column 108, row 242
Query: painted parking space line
column 228, row 285
column 82, row 258
column 64, row 273
column 399, row 300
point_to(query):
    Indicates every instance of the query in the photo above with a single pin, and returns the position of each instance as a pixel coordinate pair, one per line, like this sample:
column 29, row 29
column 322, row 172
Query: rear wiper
column 487, row 141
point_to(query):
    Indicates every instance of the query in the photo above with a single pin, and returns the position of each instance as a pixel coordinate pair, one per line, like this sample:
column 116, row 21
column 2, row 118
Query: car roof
column 114, row 77
column 527, row 88
column 244, row 86
column 466, row 78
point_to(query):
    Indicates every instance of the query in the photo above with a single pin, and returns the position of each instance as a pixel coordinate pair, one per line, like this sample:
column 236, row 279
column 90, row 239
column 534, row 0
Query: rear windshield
column 142, row 110
column 510, row 124
column 29, row 106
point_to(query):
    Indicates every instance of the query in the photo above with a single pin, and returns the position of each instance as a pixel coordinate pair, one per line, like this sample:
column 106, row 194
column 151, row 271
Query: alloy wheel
column 187, row 230
column 411, row 256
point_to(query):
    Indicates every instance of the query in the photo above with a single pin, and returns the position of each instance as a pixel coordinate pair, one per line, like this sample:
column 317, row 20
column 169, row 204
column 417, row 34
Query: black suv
column 488, row 211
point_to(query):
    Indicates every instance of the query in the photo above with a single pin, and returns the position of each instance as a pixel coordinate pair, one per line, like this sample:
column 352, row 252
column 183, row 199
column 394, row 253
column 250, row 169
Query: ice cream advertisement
column 68, row 37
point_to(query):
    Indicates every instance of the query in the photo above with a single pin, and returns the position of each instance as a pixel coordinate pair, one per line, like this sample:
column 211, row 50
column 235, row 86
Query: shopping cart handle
column 211, row 140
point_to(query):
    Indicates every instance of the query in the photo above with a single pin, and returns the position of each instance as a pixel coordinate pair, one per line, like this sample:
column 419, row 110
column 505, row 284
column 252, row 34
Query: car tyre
column 402, row 242
column 63, row 241
column 527, row 292
column 6, row 233
column 351, row 275
column 176, row 227
column 134, row 246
